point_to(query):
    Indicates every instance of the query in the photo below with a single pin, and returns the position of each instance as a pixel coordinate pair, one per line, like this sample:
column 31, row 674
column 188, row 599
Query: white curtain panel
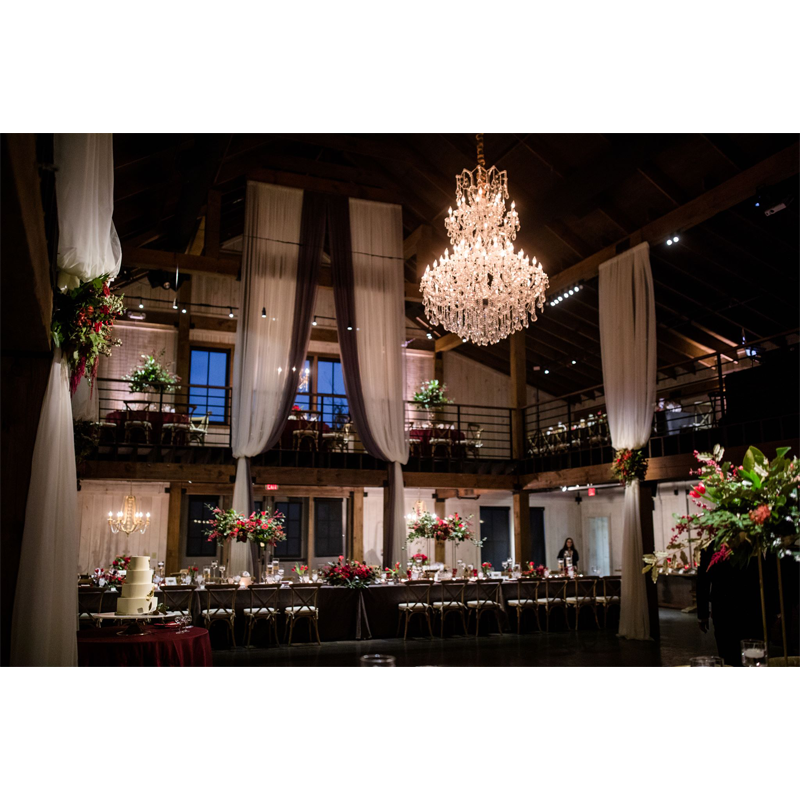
column 376, row 233
column 88, row 245
column 45, row 614
column 628, row 346
column 46, row 600
column 261, row 359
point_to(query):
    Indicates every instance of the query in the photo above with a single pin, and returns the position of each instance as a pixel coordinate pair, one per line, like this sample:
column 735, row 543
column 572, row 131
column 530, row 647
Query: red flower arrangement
column 82, row 321
column 353, row 574
column 300, row 569
column 120, row 562
column 420, row 558
column 261, row 526
column 533, row 571
column 629, row 465
column 486, row 566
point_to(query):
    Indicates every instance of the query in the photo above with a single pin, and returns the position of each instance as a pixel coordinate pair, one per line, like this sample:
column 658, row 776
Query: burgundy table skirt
column 101, row 647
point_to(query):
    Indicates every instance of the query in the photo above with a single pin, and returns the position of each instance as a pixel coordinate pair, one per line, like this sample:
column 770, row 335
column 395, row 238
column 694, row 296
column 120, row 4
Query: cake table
column 134, row 626
column 102, row 647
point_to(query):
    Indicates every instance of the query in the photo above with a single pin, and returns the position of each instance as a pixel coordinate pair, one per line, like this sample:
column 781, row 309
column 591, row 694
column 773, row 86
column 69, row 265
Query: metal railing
column 696, row 407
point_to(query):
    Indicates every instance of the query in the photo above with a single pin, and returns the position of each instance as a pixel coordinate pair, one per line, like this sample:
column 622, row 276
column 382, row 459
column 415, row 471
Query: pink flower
column 761, row 514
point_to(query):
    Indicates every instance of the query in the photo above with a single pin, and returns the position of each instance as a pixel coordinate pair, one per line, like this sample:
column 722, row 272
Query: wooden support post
column 357, row 524
column 522, row 527
column 184, row 351
column 438, row 367
column 310, row 531
column 439, row 510
column 646, row 507
column 173, row 560
column 213, row 211
column 518, row 394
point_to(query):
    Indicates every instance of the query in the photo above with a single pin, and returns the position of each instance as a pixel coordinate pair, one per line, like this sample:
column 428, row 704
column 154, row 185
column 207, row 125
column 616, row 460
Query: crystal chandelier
column 483, row 292
column 128, row 520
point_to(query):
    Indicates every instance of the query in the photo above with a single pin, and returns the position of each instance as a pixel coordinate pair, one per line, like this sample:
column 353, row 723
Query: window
column 293, row 527
column 305, row 388
column 328, row 539
column 209, row 367
column 330, row 381
column 599, row 547
column 197, row 544
column 496, row 530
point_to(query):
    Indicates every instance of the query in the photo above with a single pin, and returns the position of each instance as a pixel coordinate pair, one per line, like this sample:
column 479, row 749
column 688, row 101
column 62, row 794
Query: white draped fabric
column 46, row 601
column 628, row 346
column 88, row 245
column 261, row 366
column 376, row 233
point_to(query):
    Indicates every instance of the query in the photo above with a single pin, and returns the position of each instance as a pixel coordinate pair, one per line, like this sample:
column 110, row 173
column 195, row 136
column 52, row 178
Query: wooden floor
column 680, row 640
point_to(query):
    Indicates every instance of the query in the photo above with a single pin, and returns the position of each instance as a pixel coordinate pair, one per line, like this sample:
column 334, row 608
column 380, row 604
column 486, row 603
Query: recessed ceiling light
column 547, row 372
column 574, row 361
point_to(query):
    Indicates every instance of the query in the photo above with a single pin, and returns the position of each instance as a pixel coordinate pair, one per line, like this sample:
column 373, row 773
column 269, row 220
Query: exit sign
column 591, row 491
column 271, row 487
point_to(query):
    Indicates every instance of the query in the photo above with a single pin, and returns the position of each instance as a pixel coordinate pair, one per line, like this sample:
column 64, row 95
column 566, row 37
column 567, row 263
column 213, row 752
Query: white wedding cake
column 138, row 591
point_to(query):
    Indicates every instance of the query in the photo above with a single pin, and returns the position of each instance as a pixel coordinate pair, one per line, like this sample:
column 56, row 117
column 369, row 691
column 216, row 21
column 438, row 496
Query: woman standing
column 569, row 551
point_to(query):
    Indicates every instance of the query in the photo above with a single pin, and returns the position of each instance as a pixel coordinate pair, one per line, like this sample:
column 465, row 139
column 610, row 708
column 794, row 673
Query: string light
column 566, row 294
column 230, row 314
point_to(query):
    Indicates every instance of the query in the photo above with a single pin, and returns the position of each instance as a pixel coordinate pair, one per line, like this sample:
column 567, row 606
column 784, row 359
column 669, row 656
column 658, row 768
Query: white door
column 599, row 562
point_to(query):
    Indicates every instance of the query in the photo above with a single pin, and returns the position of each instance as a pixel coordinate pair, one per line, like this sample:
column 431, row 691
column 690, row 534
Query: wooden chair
column 178, row 600
column 526, row 599
column 303, row 606
column 584, row 595
column 221, row 605
column 473, row 441
column 418, row 601
column 611, row 590
column 198, row 429
column 451, row 598
column 442, row 438
column 90, row 602
column 555, row 596
column 178, row 433
column 263, row 605
column 487, row 598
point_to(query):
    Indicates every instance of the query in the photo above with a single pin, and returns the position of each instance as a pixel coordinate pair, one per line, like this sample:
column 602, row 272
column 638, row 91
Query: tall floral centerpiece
column 747, row 511
column 152, row 376
column 431, row 397
column 83, row 319
column 454, row 528
column 263, row 527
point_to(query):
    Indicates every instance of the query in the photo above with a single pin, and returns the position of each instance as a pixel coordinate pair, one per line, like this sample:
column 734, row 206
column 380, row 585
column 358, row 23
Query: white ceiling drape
column 46, row 600
column 376, row 232
column 628, row 347
column 261, row 368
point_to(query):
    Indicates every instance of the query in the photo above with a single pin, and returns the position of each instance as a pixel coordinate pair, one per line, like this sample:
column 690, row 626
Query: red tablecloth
column 292, row 425
column 156, row 418
column 423, row 437
column 101, row 647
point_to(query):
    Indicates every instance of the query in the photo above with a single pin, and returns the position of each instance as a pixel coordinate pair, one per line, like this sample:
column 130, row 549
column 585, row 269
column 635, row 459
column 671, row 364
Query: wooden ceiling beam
column 778, row 167
column 160, row 259
column 324, row 185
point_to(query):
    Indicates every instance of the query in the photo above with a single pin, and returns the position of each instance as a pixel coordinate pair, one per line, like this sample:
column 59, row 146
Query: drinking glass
column 280, row 575
column 705, row 661
column 222, row 572
column 754, row 653
column 377, row 660
column 187, row 622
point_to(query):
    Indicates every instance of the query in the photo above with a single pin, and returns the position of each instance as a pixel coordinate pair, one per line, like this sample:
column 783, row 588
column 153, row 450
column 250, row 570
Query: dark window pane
column 293, row 527
column 209, row 368
column 328, row 527
column 496, row 530
column 197, row 544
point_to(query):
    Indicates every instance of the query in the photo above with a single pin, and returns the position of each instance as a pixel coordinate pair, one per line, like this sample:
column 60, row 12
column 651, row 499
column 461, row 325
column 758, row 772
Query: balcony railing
column 173, row 424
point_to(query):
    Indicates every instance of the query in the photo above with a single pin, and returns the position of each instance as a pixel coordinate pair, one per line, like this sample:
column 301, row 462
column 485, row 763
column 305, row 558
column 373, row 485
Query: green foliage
column 431, row 395
column 152, row 376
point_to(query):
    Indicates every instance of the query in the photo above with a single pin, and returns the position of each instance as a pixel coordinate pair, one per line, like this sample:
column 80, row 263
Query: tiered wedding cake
column 138, row 590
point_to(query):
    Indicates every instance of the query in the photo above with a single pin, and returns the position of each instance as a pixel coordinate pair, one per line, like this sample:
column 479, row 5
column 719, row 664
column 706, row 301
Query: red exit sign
column 271, row 487
column 591, row 491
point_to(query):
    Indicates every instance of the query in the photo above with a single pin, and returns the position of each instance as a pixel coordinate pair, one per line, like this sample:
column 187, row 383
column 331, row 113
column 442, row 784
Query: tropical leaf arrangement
column 83, row 318
column 744, row 510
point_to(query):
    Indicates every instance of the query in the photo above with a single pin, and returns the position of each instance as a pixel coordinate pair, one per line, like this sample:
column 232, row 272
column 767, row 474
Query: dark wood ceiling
column 576, row 194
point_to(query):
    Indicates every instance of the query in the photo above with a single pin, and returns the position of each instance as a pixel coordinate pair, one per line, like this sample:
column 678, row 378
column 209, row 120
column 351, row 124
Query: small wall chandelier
column 128, row 520
column 484, row 291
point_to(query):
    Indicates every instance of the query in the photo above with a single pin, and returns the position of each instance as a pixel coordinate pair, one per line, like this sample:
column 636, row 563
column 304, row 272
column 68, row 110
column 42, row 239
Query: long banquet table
column 359, row 614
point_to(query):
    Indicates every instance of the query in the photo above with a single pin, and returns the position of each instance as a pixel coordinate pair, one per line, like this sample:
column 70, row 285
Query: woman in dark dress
column 569, row 551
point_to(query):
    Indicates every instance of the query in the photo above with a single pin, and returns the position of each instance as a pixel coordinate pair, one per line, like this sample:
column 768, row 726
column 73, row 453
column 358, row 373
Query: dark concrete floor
column 680, row 639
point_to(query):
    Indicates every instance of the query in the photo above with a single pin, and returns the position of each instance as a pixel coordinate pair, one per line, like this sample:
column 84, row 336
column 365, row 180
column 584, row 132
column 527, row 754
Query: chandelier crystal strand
column 483, row 291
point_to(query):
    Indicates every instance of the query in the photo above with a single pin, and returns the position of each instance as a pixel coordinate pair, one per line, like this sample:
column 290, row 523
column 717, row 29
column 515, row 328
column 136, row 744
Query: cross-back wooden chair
column 583, row 595
column 554, row 596
column 451, row 598
column 263, row 605
column 526, row 599
column 178, row 600
column 221, row 605
column 304, row 605
column 418, row 601
column 611, row 590
column 90, row 603
column 487, row 598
